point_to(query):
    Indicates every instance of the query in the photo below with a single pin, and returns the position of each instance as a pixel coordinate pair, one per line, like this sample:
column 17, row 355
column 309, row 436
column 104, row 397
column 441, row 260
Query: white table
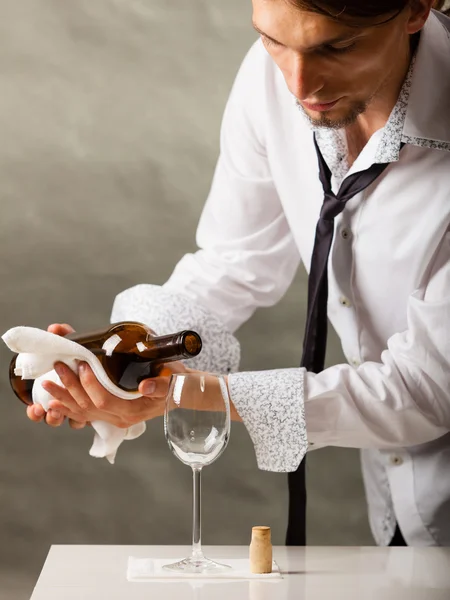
column 312, row 573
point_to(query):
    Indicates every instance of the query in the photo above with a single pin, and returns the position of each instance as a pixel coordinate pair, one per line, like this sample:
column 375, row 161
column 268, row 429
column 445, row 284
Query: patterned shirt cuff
column 271, row 405
column 169, row 312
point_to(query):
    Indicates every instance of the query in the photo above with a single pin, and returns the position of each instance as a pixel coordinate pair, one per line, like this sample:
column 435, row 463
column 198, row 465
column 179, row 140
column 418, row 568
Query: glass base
column 197, row 565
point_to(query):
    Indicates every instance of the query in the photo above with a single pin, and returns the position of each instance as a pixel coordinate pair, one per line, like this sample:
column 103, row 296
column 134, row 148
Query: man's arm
column 403, row 400
column 247, row 256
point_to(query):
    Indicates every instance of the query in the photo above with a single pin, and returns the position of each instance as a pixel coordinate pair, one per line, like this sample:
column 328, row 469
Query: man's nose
column 304, row 77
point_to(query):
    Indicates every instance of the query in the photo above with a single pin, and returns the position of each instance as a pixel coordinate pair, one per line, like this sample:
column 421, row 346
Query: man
column 331, row 89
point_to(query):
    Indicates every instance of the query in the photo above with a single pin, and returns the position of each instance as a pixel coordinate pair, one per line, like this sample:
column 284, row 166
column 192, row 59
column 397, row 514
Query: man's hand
column 36, row 412
column 83, row 399
column 86, row 399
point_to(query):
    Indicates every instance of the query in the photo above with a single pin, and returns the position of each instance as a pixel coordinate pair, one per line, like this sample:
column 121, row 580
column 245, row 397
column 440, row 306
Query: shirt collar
column 388, row 149
column 427, row 120
column 420, row 116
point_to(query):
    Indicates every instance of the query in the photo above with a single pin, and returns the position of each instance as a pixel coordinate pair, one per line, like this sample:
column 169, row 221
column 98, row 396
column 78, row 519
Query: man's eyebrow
column 258, row 30
column 340, row 38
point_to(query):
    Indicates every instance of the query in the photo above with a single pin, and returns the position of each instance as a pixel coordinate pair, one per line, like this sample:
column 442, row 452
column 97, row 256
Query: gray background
column 109, row 119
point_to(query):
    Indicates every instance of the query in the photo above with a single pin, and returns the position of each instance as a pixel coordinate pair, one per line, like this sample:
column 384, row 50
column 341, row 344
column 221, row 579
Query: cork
column 261, row 550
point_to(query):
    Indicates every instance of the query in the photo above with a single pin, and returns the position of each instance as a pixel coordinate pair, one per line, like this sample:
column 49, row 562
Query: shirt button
column 344, row 301
column 355, row 362
column 396, row 460
column 345, row 233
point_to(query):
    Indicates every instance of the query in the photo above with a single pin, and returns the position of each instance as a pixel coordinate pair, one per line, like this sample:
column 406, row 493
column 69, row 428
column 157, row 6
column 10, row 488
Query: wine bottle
column 128, row 351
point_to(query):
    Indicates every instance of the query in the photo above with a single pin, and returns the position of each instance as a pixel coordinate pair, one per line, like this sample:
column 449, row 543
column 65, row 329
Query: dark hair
column 357, row 9
column 439, row 5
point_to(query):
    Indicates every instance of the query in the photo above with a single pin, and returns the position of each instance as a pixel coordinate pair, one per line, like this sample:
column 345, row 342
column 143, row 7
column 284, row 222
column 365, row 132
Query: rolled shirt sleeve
column 168, row 312
column 270, row 404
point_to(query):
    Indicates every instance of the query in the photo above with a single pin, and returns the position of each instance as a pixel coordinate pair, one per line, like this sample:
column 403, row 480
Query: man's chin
column 335, row 118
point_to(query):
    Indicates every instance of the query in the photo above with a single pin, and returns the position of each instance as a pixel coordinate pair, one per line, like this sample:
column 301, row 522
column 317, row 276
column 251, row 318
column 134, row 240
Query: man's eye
column 340, row 49
column 268, row 42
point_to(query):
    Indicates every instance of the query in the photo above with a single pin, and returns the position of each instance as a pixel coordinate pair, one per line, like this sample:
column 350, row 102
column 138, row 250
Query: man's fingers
column 35, row 413
column 73, row 388
column 54, row 418
column 99, row 396
column 57, row 406
column 76, row 421
column 60, row 329
column 62, row 395
column 122, row 411
column 155, row 387
column 85, row 399
column 158, row 387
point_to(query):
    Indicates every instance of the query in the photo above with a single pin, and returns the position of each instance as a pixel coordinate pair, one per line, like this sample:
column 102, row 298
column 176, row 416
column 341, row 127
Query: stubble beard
column 339, row 123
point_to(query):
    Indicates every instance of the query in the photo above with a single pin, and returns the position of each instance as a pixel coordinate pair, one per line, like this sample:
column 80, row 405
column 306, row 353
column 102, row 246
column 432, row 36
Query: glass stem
column 197, row 507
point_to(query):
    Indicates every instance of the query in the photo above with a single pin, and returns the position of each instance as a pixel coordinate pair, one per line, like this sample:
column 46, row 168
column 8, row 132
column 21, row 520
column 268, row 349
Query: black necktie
column 315, row 338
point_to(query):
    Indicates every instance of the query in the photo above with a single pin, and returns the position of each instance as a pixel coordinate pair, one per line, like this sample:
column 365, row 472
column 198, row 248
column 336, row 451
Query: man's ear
column 419, row 13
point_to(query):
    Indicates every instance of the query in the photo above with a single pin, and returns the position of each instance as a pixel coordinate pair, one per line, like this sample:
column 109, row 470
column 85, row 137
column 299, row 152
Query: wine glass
column 197, row 429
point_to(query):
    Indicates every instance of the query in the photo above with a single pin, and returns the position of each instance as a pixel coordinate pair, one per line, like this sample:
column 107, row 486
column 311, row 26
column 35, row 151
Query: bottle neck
column 184, row 344
column 141, row 342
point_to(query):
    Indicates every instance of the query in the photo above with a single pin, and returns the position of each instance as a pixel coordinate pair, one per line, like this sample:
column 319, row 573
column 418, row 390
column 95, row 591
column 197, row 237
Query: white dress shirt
column 389, row 286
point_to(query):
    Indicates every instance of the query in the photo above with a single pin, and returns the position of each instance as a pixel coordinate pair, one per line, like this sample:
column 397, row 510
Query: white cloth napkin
column 149, row 569
column 38, row 351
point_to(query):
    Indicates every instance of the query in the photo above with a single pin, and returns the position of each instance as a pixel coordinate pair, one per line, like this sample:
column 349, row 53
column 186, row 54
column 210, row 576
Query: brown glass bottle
column 128, row 351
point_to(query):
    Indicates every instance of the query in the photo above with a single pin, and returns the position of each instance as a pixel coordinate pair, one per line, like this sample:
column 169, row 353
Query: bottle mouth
column 192, row 343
